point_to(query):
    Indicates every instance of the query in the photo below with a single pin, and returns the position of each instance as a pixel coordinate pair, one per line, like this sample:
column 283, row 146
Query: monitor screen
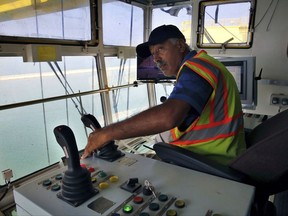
column 243, row 71
column 148, row 71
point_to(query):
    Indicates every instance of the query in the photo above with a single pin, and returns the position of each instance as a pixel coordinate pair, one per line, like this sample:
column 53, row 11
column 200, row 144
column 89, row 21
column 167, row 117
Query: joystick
column 108, row 152
column 76, row 184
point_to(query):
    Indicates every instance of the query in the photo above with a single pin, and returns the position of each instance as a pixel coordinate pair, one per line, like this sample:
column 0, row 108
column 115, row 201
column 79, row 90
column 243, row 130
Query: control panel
column 129, row 185
column 252, row 120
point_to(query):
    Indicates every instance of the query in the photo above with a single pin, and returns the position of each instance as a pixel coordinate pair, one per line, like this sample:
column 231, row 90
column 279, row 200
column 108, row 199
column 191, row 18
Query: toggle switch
column 279, row 100
column 131, row 185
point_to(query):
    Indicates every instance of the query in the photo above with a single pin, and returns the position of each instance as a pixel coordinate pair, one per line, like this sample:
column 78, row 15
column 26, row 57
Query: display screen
column 237, row 70
column 147, row 70
column 243, row 71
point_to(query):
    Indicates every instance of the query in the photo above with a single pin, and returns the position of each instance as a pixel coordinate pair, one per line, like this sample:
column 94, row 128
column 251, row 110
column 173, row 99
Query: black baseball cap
column 157, row 36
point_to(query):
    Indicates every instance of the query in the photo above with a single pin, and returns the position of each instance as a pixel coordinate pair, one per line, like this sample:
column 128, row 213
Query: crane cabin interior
column 67, row 63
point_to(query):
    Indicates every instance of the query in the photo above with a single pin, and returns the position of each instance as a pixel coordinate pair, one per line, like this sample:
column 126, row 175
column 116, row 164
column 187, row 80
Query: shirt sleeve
column 194, row 90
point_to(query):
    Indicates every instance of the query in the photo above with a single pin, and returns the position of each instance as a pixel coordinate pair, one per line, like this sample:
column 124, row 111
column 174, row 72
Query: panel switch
column 279, row 100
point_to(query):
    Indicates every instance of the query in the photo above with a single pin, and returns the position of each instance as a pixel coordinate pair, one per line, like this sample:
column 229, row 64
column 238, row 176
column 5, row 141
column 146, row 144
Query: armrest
column 185, row 158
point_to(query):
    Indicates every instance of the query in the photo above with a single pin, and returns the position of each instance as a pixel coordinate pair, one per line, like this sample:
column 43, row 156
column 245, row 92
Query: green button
column 163, row 197
column 127, row 208
column 55, row 187
column 154, row 206
column 102, row 174
column 58, row 177
column 47, row 182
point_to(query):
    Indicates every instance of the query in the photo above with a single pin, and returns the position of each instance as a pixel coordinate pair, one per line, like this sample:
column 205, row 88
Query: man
column 203, row 112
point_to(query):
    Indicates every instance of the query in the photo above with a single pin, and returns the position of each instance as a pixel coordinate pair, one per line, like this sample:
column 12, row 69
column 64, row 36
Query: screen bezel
column 148, row 71
column 248, row 91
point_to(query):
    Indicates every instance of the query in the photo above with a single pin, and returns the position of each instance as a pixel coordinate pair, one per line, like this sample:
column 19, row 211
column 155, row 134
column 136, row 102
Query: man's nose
column 156, row 57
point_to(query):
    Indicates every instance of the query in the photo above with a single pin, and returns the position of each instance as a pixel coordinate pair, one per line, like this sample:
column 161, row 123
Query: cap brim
column 143, row 50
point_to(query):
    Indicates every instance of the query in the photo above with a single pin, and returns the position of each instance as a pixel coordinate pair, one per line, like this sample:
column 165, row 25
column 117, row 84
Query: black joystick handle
column 65, row 137
column 90, row 121
column 107, row 152
column 76, row 184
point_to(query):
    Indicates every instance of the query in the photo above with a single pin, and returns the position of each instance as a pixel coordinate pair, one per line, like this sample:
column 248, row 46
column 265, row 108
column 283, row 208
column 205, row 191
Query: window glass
column 163, row 91
column 180, row 16
column 22, row 135
column 26, row 131
column 225, row 24
column 21, row 82
column 55, row 19
column 125, row 101
column 79, row 72
column 122, row 23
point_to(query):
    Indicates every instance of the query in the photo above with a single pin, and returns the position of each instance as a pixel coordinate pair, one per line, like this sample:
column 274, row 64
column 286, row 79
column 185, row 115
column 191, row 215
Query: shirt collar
column 190, row 55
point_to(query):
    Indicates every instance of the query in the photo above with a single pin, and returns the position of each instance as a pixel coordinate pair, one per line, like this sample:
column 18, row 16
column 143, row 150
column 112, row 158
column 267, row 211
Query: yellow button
column 114, row 179
column 179, row 203
column 103, row 185
column 171, row 212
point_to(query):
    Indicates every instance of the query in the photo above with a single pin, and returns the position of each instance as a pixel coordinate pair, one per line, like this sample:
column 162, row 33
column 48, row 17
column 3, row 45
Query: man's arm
column 152, row 121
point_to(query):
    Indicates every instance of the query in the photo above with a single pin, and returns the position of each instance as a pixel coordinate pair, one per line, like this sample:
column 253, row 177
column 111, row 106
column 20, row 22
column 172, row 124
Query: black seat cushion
column 266, row 161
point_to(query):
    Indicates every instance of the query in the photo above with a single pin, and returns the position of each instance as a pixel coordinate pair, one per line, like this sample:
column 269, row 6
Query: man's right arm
column 152, row 121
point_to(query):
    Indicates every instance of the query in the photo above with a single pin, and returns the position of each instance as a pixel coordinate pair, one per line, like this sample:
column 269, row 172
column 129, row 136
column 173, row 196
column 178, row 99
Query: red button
column 91, row 169
column 137, row 199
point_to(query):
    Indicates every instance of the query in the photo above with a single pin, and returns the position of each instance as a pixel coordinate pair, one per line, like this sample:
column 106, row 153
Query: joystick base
column 77, row 202
column 112, row 156
column 109, row 152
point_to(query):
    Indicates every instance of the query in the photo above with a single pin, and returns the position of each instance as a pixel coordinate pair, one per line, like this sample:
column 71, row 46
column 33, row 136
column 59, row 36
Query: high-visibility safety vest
column 218, row 132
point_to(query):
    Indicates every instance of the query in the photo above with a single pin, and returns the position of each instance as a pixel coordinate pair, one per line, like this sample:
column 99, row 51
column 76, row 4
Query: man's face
column 168, row 56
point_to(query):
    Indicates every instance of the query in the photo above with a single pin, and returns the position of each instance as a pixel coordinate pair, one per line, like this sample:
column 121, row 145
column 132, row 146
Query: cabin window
column 225, row 24
column 180, row 15
column 125, row 101
column 49, row 19
column 33, row 102
column 122, row 24
column 163, row 91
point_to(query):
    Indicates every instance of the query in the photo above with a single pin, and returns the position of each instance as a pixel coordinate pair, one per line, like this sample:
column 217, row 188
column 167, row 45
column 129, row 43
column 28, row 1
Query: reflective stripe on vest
column 227, row 122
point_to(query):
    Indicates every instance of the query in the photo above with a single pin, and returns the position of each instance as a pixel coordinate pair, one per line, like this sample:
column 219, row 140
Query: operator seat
column 264, row 164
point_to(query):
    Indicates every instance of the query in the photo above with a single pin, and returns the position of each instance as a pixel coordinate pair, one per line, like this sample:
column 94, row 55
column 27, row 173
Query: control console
column 128, row 185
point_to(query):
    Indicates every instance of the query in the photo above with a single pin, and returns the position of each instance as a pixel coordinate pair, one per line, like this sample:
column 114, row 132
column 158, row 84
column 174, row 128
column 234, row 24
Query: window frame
column 201, row 20
column 94, row 33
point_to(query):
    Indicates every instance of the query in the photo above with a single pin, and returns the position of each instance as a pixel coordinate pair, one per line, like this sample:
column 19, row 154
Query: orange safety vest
column 218, row 132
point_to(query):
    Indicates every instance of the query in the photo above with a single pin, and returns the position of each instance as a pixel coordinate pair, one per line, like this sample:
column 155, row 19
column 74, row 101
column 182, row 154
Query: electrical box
column 7, row 174
column 42, row 53
column 279, row 100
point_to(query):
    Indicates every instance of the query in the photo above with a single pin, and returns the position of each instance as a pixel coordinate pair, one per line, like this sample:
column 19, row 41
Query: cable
column 272, row 15
column 264, row 14
column 6, row 190
column 83, row 111
column 223, row 27
column 67, row 92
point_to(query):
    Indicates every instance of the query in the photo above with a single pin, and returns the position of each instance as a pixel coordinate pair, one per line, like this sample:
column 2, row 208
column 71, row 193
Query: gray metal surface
column 199, row 191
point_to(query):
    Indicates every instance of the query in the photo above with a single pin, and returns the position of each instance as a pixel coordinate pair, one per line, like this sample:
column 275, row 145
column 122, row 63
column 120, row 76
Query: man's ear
column 181, row 45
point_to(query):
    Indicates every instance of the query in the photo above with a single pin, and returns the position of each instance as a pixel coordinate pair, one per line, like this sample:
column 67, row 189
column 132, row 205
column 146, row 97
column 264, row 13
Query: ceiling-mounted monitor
column 148, row 71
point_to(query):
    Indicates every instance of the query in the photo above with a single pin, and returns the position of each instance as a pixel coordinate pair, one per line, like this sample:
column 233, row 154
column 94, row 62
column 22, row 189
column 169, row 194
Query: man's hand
column 95, row 141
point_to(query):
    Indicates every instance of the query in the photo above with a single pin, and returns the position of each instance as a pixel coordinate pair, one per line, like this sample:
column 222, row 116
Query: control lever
column 66, row 140
column 109, row 151
column 90, row 121
column 76, row 184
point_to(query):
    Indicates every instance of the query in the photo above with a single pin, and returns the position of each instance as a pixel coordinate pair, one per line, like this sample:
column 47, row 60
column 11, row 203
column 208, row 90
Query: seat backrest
column 266, row 161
